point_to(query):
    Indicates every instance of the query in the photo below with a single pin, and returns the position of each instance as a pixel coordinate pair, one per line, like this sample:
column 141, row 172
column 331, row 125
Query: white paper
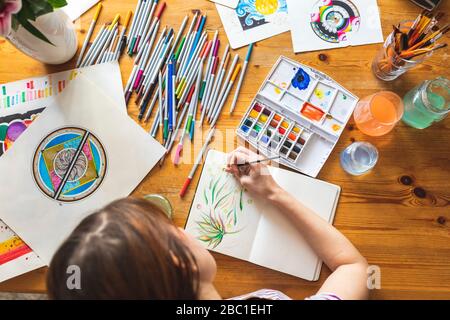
column 130, row 153
column 357, row 22
column 228, row 3
column 251, row 22
column 15, row 259
column 76, row 8
column 262, row 234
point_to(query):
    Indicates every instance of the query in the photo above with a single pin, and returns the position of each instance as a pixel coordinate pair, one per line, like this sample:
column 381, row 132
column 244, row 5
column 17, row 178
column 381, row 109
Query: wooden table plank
column 408, row 237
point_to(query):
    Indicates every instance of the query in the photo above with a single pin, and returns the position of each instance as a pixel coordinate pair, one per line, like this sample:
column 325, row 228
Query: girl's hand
column 255, row 178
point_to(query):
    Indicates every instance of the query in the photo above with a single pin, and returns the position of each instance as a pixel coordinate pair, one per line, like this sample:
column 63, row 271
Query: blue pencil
column 170, row 95
column 196, row 39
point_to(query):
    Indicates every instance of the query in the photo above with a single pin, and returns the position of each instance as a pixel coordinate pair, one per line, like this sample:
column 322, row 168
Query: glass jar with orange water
column 378, row 114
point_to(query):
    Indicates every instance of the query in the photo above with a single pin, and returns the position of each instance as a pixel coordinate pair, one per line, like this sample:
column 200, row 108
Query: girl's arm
column 349, row 277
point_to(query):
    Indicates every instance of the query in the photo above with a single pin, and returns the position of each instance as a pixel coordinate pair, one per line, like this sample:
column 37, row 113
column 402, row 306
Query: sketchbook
column 225, row 219
column 78, row 156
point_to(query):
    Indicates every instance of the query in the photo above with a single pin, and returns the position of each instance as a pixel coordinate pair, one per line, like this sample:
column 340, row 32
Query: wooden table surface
column 402, row 228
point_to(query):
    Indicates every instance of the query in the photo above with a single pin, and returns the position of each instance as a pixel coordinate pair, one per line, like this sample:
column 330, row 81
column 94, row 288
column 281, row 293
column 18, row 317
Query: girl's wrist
column 276, row 194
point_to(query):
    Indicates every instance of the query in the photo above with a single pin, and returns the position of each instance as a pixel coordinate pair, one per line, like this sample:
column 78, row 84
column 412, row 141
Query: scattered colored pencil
column 241, row 79
column 89, row 33
column 197, row 162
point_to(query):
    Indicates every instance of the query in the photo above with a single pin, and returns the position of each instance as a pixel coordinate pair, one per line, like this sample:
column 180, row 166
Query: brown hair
column 127, row 250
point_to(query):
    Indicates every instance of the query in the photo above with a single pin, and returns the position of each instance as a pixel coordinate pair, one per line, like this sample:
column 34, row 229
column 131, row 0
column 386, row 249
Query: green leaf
column 33, row 30
column 26, row 13
column 15, row 23
column 40, row 7
column 57, row 3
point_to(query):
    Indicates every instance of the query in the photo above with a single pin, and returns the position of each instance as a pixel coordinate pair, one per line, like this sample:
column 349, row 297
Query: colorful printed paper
column 329, row 24
column 254, row 20
column 226, row 219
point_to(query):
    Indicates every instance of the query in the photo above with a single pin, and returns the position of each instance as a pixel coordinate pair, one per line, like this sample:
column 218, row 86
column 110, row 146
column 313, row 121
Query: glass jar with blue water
column 427, row 103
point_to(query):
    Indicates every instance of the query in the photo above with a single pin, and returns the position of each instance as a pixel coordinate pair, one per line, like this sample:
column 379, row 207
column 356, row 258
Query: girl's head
column 130, row 250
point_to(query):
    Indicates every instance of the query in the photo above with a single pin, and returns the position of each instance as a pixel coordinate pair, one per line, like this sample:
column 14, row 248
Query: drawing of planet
column 266, row 7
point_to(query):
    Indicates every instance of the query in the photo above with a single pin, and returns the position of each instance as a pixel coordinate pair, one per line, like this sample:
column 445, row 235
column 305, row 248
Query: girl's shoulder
column 268, row 294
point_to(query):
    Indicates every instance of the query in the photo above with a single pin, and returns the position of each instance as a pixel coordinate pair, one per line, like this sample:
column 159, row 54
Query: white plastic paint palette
column 299, row 113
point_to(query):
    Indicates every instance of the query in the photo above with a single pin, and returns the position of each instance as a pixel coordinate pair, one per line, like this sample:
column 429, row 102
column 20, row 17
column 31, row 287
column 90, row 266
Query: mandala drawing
column 334, row 20
column 69, row 164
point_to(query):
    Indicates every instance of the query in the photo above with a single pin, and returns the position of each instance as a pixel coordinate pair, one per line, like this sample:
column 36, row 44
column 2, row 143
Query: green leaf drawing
column 223, row 204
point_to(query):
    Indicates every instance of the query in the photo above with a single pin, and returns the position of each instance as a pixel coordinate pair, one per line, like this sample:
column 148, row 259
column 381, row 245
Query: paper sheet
column 78, row 156
column 76, row 8
column 254, row 21
column 16, row 257
column 329, row 24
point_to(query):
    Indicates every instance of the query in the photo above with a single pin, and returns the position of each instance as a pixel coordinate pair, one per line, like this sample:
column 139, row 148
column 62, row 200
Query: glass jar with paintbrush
column 410, row 44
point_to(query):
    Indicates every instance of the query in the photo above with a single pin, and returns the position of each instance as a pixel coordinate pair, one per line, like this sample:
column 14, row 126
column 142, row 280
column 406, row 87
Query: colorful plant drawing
column 254, row 13
column 12, row 126
column 69, row 164
column 334, row 20
column 221, row 208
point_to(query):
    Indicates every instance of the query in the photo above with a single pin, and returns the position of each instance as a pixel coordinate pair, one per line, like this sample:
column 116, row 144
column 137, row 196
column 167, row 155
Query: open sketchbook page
column 262, row 235
column 78, row 156
column 329, row 24
column 222, row 217
column 16, row 257
column 278, row 245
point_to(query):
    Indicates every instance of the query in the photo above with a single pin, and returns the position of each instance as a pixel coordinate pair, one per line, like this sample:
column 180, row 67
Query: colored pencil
column 241, row 79
column 225, row 86
column 170, row 100
column 137, row 13
column 152, row 78
column 146, row 5
column 212, row 55
column 122, row 38
column 218, row 83
column 224, row 98
column 196, row 102
column 186, row 42
column 145, row 26
column 197, row 162
column 102, row 45
column 208, row 90
column 89, row 33
column 97, row 42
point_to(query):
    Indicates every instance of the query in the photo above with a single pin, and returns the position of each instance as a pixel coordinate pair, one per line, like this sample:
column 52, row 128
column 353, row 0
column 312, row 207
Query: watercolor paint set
column 299, row 114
